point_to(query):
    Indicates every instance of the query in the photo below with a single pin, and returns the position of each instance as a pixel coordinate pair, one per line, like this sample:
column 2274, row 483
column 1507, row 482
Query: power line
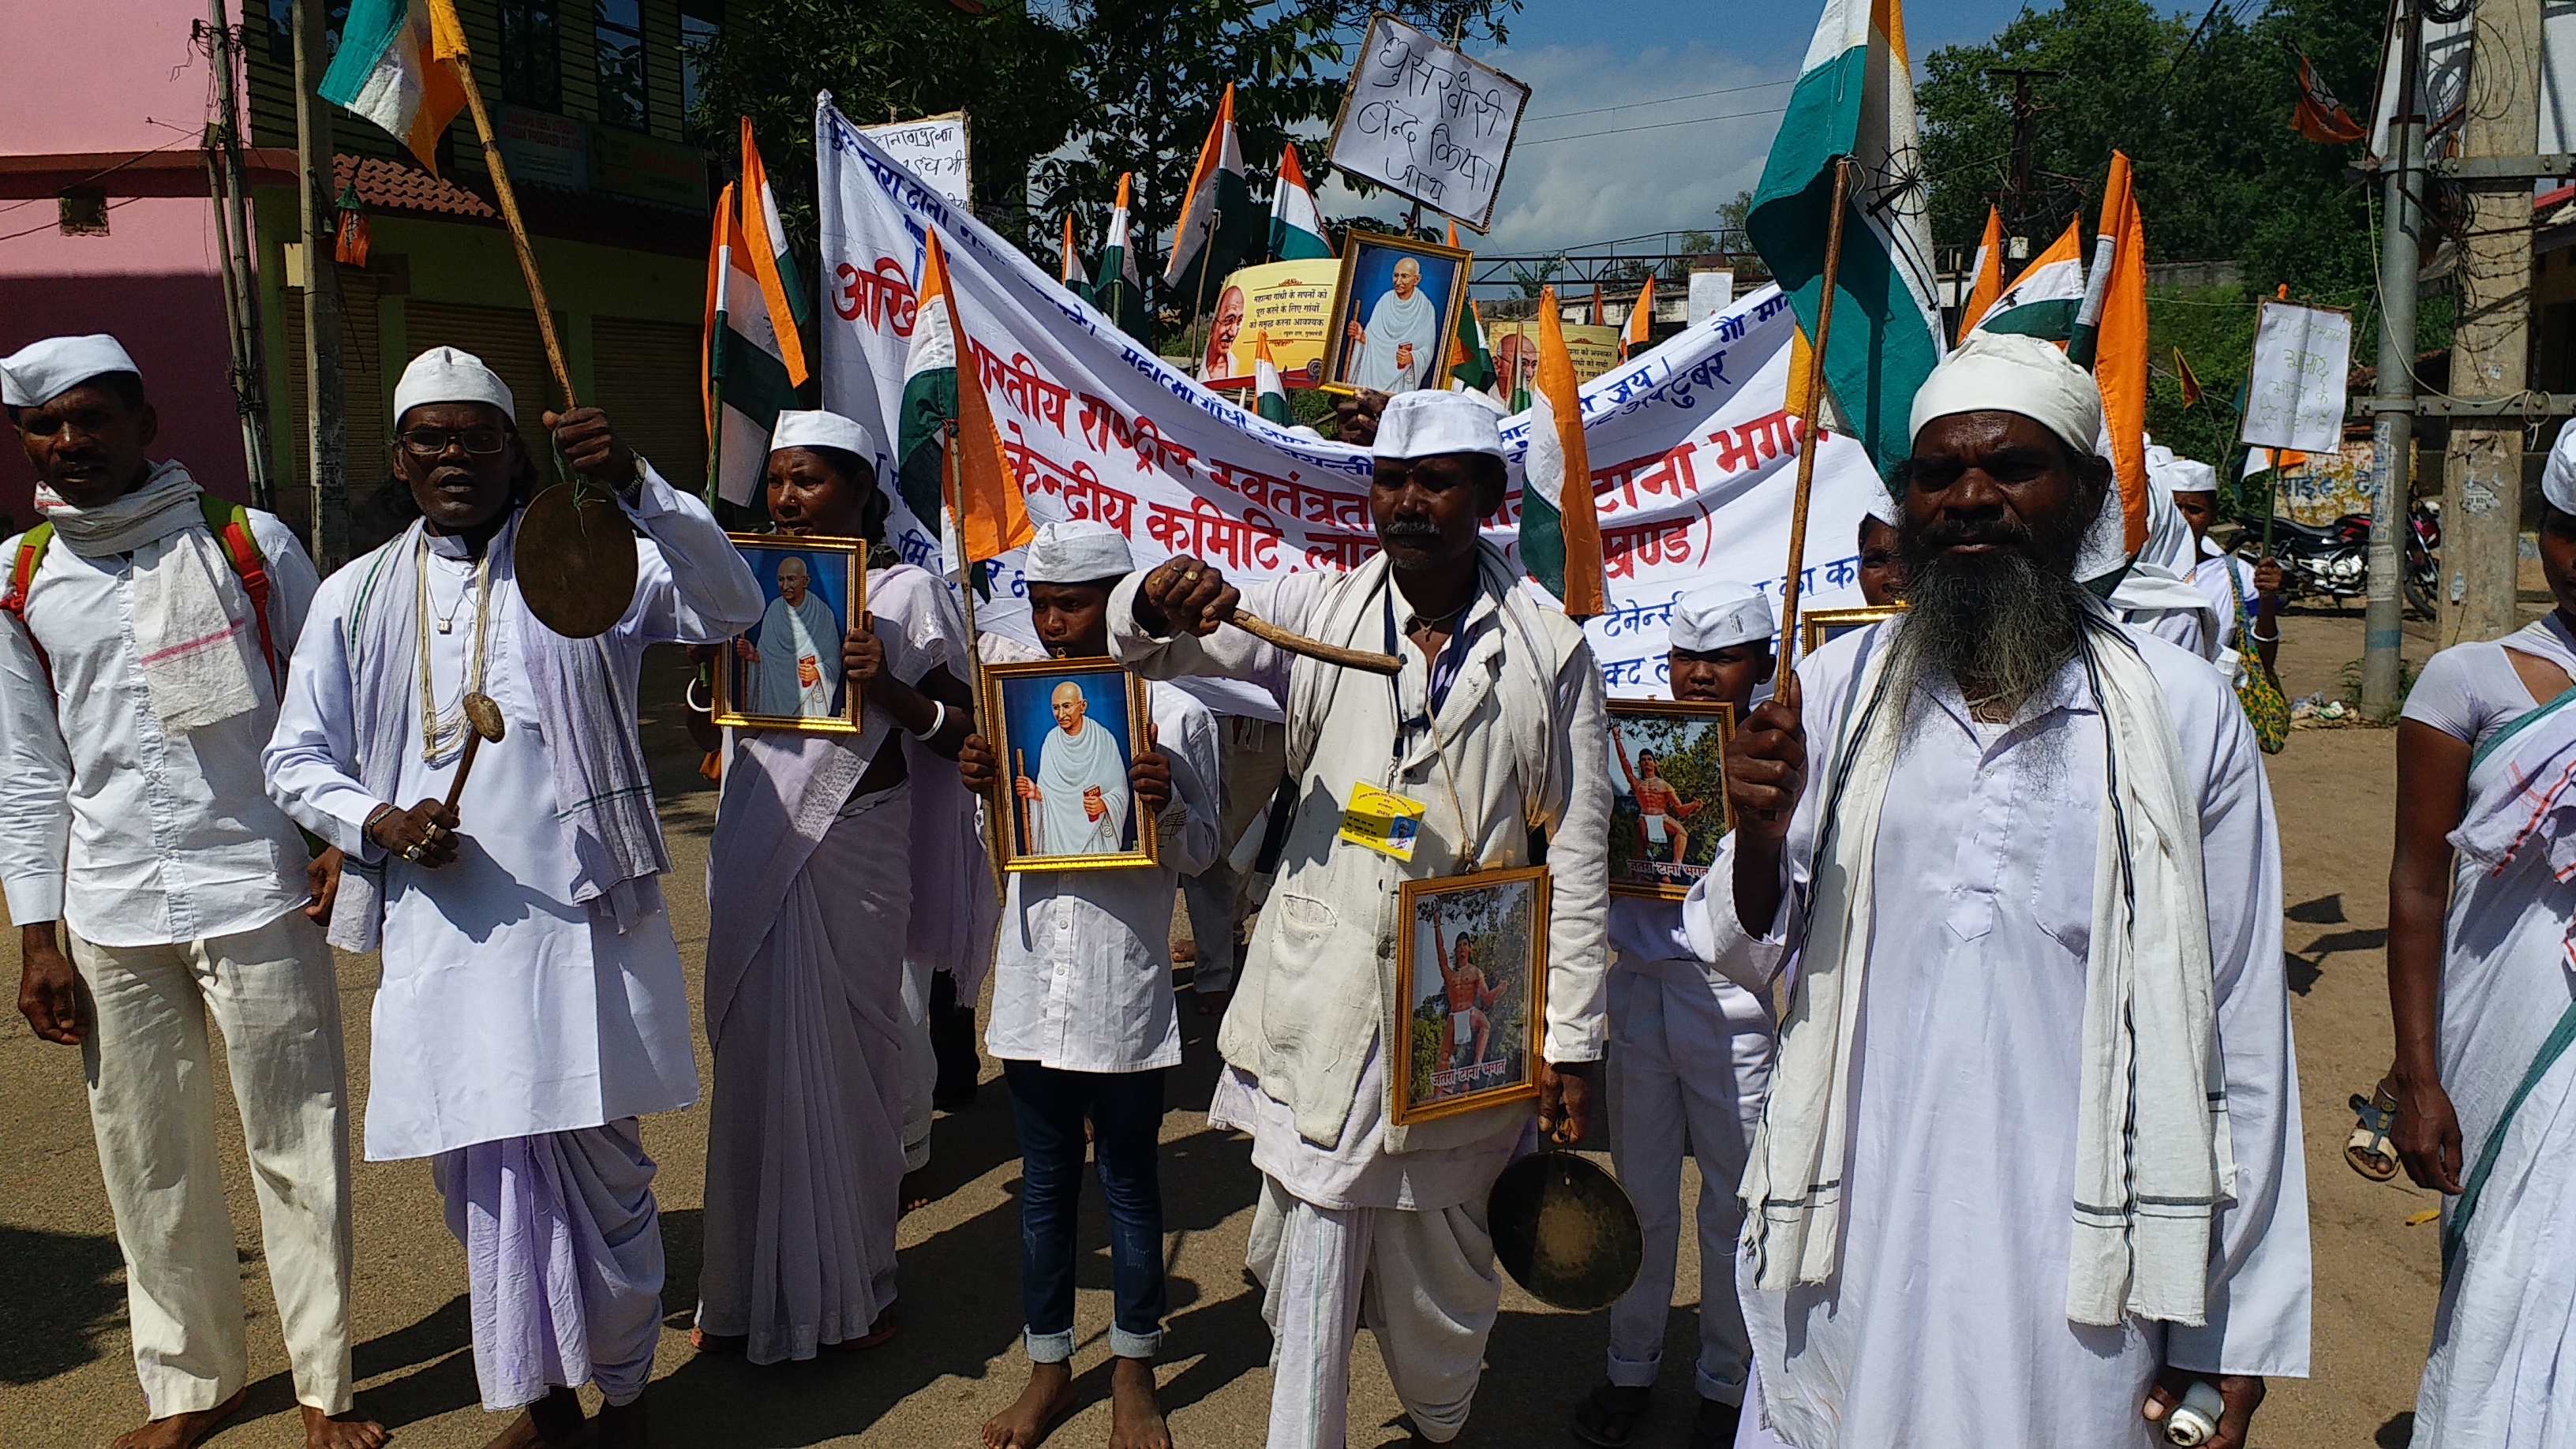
column 1632, row 105
column 1653, row 126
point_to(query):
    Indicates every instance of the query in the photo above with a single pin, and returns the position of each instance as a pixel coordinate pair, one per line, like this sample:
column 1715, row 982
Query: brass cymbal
column 575, row 560
column 1565, row 1230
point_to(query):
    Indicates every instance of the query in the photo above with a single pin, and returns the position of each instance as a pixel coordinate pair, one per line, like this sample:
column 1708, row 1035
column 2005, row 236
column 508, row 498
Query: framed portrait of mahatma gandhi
column 784, row 673
column 1393, row 314
column 1470, row 992
column 1066, row 731
column 1820, row 627
column 1668, row 807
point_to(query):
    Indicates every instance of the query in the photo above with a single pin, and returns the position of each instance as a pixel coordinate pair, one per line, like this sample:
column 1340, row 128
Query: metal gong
column 575, row 560
column 1565, row 1230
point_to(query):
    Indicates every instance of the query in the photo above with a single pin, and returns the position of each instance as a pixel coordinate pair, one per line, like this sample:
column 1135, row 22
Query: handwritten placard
column 933, row 148
column 2295, row 396
column 1426, row 122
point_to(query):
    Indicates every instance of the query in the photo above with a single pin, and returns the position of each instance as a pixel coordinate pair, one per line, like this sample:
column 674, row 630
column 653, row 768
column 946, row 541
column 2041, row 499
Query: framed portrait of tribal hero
column 1393, row 314
column 1668, row 807
column 1470, row 992
column 784, row 673
column 1066, row 731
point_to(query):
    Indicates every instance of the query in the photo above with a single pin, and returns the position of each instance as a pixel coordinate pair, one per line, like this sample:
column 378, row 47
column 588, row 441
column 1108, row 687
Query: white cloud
column 1566, row 194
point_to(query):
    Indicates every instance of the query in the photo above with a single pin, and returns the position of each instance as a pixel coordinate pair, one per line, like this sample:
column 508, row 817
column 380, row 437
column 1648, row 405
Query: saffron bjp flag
column 2111, row 338
column 387, row 70
column 1296, row 223
column 1854, row 104
column 1560, row 532
column 752, row 368
column 1269, row 397
column 2041, row 302
column 1988, row 272
column 1215, row 230
column 992, row 517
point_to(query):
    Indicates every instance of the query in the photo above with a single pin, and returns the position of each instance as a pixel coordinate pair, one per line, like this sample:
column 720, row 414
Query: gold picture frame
column 1357, row 248
column 832, row 566
column 1695, row 735
column 1019, row 713
column 1818, row 627
column 1505, row 1027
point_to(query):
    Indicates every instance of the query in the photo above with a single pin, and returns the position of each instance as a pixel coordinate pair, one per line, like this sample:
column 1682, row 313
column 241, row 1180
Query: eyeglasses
column 431, row 442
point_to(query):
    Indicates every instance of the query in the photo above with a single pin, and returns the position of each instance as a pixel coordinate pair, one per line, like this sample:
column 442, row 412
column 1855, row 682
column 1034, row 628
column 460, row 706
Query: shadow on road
column 63, row 1297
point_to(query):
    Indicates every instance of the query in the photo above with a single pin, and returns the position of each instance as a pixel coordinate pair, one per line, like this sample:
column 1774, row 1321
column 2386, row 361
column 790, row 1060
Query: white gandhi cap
column 1424, row 423
column 1720, row 616
column 2558, row 476
column 40, row 372
column 1082, row 551
column 819, row 429
column 451, row 375
column 2005, row 372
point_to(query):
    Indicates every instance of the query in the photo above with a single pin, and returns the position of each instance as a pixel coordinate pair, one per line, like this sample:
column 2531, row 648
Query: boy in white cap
column 810, row 889
column 2238, row 591
column 138, row 679
column 1690, row 1054
column 1084, row 1019
column 1494, row 732
column 2030, row 1161
column 532, row 1006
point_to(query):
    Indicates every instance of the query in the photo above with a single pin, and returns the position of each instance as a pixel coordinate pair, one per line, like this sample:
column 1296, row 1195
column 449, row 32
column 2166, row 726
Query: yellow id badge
column 1387, row 824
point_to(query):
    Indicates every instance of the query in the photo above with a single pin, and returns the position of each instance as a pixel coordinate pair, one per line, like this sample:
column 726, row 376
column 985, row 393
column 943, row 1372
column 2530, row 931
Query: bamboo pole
column 518, row 229
column 1000, row 801
column 1808, row 409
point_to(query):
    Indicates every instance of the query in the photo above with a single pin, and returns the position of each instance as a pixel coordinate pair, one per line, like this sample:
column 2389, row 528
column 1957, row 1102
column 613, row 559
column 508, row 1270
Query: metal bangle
column 689, row 697
column 2261, row 638
column 938, row 721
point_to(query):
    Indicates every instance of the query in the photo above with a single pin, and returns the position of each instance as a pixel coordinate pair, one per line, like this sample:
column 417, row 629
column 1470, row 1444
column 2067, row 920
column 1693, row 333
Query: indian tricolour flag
column 1986, row 274
column 1069, row 268
column 1296, row 224
column 1854, row 103
column 1215, row 230
column 1121, row 292
column 929, row 390
column 755, row 352
column 1269, row 398
column 2111, row 338
column 388, row 70
column 1560, row 533
column 2041, row 302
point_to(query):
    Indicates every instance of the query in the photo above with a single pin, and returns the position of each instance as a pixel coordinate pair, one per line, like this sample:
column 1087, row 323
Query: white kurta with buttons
column 1946, row 1322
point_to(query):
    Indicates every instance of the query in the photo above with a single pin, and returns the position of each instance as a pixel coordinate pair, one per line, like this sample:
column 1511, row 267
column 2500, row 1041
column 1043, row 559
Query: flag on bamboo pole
column 753, row 365
column 1596, row 304
column 992, row 518
column 1269, row 398
column 929, row 390
column 387, row 70
column 1471, row 362
column 790, row 310
column 1988, row 272
column 1070, row 270
column 1560, row 534
column 1854, row 99
column 1121, row 292
column 1639, row 334
column 1296, row 224
column 2111, row 338
column 1215, row 230
column 2190, row 381
column 2041, row 302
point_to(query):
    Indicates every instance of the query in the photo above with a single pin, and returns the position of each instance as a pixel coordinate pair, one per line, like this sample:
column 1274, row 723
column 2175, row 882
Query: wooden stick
column 975, row 664
column 1809, row 408
column 1296, row 643
column 518, row 229
column 1019, row 771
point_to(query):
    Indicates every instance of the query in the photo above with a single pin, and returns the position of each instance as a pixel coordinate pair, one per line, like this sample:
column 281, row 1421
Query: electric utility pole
column 326, row 436
column 2025, row 119
column 2393, row 410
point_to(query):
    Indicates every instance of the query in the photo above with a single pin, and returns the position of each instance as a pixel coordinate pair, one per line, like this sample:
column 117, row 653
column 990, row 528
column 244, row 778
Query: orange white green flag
column 1560, row 534
column 388, row 70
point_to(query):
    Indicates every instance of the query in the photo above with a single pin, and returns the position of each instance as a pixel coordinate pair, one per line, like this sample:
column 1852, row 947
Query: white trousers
column 920, row 1062
column 152, row 1105
column 1689, row 1064
column 1425, row 1283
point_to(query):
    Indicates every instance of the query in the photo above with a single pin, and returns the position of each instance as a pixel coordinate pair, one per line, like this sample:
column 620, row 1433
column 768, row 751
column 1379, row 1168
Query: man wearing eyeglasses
column 156, row 888
column 532, row 1006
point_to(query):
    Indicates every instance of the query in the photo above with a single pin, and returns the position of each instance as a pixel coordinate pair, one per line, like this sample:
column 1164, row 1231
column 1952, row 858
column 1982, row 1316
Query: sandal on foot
column 2368, row 1149
column 1702, row 1436
column 1604, row 1425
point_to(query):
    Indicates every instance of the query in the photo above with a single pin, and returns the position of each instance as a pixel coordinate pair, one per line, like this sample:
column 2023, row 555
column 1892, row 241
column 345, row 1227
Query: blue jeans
column 1126, row 1114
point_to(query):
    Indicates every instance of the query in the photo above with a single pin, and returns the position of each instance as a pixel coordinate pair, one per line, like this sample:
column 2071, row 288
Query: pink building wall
column 114, row 80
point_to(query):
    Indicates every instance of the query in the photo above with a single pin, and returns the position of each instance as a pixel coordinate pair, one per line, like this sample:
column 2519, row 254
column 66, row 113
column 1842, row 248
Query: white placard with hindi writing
column 1426, row 122
column 932, row 148
column 2295, row 396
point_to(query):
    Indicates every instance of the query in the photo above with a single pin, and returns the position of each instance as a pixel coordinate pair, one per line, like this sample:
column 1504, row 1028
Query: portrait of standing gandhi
column 1070, row 740
column 1396, row 311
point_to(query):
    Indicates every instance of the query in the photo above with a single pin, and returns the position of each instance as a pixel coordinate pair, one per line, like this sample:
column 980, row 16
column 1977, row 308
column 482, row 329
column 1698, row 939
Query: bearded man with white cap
column 138, row 679
column 1690, row 1054
column 812, row 879
column 2029, row 1166
column 532, row 1006
column 1084, row 1019
column 1494, row 733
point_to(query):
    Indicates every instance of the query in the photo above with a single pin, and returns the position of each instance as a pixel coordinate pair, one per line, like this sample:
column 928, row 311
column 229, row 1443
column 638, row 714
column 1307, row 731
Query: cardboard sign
column 933, row 148
column 2295, row 395
column 1426, row 122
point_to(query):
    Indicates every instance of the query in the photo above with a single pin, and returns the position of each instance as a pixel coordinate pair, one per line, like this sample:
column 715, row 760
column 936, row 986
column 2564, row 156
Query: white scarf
column 195, row 650
column 2153, row 1157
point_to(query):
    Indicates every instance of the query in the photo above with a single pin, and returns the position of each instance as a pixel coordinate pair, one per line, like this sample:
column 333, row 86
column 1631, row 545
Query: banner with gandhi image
column 1693, row 454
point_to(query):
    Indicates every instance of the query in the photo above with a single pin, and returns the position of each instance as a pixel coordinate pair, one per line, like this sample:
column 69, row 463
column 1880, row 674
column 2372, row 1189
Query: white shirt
column 1945, row 1323
column 1083, row 978
column 128, row 834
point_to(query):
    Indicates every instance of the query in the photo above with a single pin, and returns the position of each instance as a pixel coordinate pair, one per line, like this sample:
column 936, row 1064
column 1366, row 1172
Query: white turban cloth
column 2558, row 476
column 40, row 372
column 1720, row 616
column 2004, row 372
column 1078, row 552
column 451, row 375
column 1424, row 424
column 819, row 429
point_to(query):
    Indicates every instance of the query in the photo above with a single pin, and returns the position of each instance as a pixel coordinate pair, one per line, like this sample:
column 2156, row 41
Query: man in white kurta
column 136, row 688
column 796, row 658
column 1495, row 728
column 2031, row 1155
column 532, row 1006
column 1078, row 802
column 2156, row 591
column 1401, row 339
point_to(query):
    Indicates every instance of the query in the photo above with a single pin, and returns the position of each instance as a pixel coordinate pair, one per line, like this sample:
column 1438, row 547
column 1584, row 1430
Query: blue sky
column 1718, row 69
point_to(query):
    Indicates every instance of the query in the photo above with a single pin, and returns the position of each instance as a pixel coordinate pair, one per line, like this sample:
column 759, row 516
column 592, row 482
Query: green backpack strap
column 229, row 522
column 22, row 572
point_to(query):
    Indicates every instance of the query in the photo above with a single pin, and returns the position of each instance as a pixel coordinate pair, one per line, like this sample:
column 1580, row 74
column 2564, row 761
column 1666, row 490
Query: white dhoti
column 804, row 1129
column 1654, row 824
column 563, row 1253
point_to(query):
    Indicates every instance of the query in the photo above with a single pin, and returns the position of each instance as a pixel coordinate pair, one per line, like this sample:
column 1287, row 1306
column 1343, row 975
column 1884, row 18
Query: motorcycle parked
column 2333, row 561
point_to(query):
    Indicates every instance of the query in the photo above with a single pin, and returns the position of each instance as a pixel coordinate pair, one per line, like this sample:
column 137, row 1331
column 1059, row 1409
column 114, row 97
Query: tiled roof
column 392, row 186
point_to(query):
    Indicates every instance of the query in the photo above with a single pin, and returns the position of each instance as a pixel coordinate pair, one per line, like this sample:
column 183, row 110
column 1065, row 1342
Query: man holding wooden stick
column 1493, row 736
